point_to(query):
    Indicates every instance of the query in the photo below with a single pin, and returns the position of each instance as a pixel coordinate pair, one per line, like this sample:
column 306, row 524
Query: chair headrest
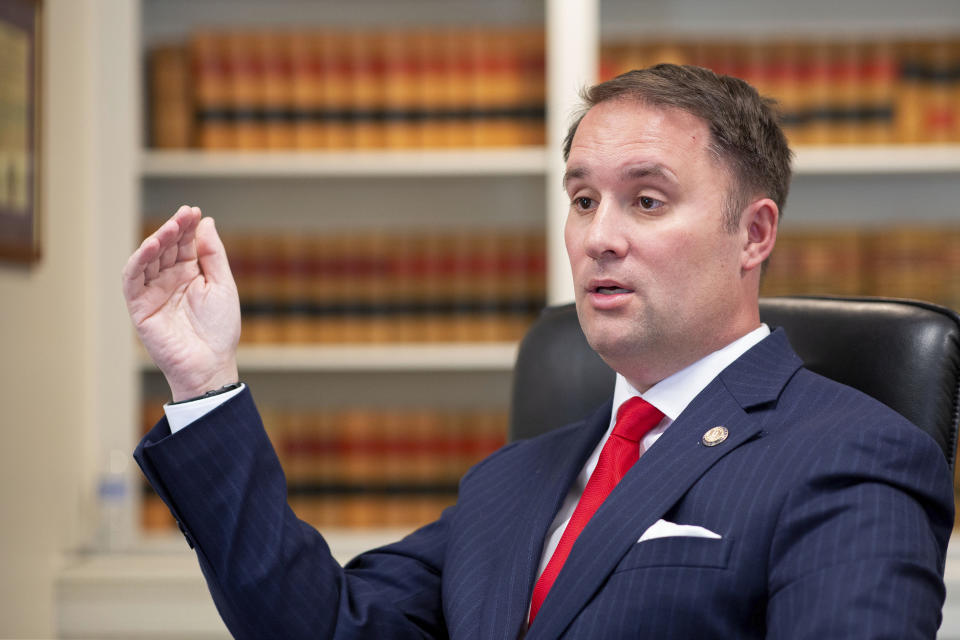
column 904, row 353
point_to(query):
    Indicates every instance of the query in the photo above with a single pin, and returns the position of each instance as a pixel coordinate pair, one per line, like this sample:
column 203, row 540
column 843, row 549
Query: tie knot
column 635, row 418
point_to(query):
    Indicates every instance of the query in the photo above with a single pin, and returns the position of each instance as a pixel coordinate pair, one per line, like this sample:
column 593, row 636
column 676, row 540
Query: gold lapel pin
column 715, row 436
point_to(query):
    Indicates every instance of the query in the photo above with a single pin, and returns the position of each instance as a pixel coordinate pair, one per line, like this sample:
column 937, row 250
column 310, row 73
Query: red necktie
column 634, row 419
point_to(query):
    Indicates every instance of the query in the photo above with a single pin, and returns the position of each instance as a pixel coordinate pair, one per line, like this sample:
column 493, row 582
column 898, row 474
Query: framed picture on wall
column 20, row 130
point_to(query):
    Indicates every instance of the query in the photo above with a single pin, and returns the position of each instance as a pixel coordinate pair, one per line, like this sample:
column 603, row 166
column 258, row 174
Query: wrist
column 183, row 391
column 209, row 394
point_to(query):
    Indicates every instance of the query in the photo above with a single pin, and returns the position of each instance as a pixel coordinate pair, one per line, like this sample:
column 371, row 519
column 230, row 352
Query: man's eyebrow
column 576, row 172
column 634, row 172
column 631, row 172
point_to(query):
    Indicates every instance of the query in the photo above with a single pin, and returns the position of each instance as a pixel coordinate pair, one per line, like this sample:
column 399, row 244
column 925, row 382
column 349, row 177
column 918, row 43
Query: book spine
column 275, row 50
column 367, row 89
column 338, row 94
column 879, row 91
column 306, row 70
column 460, row 49
column 212, row 90
column 402, row 102
column 533, row 91
column 170, row 98
column 246, row 73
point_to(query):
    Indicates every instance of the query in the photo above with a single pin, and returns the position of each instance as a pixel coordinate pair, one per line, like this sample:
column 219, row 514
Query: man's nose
column 606, row 233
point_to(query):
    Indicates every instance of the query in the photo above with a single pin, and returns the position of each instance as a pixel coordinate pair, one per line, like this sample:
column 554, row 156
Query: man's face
column 656, row 276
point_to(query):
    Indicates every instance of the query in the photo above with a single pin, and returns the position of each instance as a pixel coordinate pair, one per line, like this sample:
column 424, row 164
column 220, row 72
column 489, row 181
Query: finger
column 187, row 248
column 212, row 254
column 151, row 270
column 178, row 230
column 186, row 217
column 169, row 257
column 168, row 235
column 134, row 272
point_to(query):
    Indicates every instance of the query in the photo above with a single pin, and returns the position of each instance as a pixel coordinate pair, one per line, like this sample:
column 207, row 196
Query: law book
column 293, row 287
column 833, row 90
column 336, row 56
column 842, row 110
column 307, row 91
column 275, row 50
column 426, row 426
column 353, row 271
column 458, row 50
column 378, row 328
column 915, row 262
column 533, row 85
column 436, row 96
column 375, row 286
column 367, row 89
column 879, row 91
column 368, row 467
column 495, row 71
column 361, row 435
column 427, row 251
column 311, row 445
column 403, row 102
column 940, row 73
column 170, row 97
column 464, row 276
column 246, row 79
column 259, row 305
column 514, row 297
column 817, row 261
column 209, row 55
column 324, row 286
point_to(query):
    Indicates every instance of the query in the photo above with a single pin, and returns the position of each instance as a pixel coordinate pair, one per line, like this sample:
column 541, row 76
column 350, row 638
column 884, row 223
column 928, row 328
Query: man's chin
column 613, row 337
column 610, row 345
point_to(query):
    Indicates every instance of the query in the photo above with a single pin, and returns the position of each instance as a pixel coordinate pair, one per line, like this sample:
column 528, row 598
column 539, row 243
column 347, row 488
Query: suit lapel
column 664, row 473
column 539, row 494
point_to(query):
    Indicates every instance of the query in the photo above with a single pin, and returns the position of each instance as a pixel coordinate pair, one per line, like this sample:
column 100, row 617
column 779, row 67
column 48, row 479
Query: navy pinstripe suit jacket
column 834, row 514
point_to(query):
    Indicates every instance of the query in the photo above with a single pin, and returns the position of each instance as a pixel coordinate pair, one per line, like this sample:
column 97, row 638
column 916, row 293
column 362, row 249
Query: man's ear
column 759, row 222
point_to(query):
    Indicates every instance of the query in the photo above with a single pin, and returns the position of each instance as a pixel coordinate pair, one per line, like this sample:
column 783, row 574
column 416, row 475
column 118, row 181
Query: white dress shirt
column 671, row 396
column 180, row 415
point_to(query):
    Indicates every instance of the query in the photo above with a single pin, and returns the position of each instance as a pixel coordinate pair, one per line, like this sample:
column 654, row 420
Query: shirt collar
column 672, row 394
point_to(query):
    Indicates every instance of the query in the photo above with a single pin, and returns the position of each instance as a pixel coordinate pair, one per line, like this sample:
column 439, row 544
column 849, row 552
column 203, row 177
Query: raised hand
column 183, row 301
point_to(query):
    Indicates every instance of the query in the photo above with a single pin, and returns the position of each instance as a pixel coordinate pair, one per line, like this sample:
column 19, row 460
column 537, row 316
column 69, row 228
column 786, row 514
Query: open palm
column 183, row 302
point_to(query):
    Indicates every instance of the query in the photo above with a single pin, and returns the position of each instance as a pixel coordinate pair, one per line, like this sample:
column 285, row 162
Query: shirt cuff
column 181, row 415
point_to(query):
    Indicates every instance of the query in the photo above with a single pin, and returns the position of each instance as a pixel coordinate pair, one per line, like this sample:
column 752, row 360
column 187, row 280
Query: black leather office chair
column 902, row 352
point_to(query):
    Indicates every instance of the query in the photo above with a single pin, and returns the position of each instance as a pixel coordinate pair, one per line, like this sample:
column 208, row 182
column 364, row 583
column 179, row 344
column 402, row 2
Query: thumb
column 211, row 253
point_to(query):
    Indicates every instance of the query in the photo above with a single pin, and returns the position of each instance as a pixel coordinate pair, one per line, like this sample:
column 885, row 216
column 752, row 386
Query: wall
column 52, row 334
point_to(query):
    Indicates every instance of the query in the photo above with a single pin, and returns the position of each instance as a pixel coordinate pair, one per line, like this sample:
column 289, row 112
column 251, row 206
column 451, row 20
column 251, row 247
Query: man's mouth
column 609, row 290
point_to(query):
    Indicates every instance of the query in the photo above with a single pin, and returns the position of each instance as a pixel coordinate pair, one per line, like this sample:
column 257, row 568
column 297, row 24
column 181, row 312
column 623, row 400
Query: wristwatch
column 211, row 393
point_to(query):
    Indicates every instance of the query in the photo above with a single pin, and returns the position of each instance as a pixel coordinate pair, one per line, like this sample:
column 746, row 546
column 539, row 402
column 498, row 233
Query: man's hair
column 744, row 127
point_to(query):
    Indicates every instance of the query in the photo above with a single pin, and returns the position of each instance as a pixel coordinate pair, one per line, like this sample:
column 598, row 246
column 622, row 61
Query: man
column 762, row 500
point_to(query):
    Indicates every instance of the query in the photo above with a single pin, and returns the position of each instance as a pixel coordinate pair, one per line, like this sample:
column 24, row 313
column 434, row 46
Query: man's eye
column 583, row 203
column 646, row 202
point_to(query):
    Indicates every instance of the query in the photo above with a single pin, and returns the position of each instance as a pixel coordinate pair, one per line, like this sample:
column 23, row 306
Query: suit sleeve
column 270, row 574
column 860, row 545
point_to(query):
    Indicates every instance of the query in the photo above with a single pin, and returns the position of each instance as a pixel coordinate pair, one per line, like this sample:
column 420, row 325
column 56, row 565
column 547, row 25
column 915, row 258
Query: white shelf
column 887, row 159
column 479, row 356
column 157, row 590
column 339, row 164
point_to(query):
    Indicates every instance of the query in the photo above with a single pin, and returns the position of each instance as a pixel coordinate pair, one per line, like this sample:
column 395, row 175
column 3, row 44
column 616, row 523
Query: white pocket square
column 665, row 529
